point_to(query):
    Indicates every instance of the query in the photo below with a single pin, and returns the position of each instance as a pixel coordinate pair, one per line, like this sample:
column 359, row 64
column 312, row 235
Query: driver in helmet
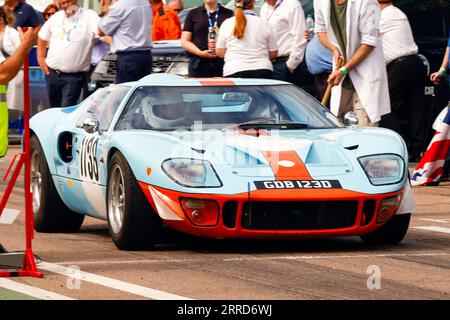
column 164, row 113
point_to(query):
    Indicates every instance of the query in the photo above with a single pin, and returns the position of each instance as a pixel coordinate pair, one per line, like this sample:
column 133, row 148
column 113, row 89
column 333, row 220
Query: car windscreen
column 219, row 107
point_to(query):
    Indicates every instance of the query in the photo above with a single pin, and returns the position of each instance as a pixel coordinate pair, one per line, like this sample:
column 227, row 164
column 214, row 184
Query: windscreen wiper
column 272, row 124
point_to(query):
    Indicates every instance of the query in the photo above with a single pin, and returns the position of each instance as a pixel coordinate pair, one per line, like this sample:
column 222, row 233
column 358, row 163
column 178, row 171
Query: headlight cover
column 102, row 67
column 179, row 68
column 192, row 173
column 383, row 169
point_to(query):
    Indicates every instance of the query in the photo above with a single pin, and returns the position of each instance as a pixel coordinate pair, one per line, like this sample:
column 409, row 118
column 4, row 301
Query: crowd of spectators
column 374, row 69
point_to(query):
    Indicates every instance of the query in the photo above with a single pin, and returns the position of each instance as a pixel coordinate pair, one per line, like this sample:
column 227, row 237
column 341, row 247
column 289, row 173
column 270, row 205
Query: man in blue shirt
column 318, row 58
column 129, row 23
column 319, row 61
column 25, row 15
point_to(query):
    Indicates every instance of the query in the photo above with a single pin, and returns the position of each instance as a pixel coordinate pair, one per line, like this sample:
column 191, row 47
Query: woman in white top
column 9, row 42
column 247, row 44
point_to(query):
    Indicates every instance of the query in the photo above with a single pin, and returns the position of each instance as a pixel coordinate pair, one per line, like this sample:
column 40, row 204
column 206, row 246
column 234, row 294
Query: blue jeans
column 280, row 71
column 133, row 65
column 205, row 68
column 64, row 89
column 301, row 76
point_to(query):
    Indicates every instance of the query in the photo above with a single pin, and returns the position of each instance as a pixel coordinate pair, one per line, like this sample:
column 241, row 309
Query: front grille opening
column 368, row 212
column 299, row 215
column 229, row 214
column 161, row 66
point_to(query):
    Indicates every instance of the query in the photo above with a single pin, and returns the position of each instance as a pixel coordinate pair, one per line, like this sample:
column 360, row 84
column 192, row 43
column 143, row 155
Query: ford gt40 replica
column 218, row 158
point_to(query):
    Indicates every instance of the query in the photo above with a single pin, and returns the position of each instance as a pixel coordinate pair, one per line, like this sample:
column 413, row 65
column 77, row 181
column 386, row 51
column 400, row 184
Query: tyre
column 50, row 212
column 392, row 232
column 133, row 225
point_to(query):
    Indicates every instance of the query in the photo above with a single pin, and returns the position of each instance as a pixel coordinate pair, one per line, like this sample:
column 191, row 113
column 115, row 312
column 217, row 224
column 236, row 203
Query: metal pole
column 29, row 264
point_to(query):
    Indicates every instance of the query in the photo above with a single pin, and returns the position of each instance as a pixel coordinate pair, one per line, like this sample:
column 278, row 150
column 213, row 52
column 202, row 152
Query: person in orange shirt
column 166, row 24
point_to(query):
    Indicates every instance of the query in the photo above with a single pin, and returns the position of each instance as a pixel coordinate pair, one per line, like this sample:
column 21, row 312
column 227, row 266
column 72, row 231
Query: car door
column 86, row 176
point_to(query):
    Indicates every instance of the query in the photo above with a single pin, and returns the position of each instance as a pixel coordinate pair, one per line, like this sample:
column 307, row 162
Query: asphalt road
column 186, row 267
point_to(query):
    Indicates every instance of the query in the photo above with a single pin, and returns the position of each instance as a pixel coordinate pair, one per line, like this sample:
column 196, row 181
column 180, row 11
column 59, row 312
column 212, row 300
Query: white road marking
column 31, row 291
column 384, row 255
column 323, row 257
column 435, row 229
column 111, row 283
column 436, row 220
column 9, row 216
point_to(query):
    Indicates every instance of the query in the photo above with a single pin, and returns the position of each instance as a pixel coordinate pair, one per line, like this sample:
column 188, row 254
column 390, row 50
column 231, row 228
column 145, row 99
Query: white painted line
column 322, row 257
column 436, row 220
column 9, row 216
column 385, row 255
column 111, row 283
column 31, row 291
column 435, row 229
column 118, row 262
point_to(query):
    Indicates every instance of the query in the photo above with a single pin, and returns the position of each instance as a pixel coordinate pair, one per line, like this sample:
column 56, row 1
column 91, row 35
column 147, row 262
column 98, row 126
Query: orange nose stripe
column 287, row 165
column 214, row 82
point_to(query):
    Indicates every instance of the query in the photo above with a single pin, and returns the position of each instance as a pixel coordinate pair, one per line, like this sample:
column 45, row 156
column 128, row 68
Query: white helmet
column 163, row 115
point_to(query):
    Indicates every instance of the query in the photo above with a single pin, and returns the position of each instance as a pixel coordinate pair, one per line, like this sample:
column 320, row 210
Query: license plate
column 298, row 184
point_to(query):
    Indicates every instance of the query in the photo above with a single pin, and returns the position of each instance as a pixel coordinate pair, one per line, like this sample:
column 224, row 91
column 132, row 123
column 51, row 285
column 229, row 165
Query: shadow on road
column 172, row 240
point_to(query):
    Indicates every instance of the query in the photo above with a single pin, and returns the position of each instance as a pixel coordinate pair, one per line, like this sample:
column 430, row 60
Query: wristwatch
column 102, row 14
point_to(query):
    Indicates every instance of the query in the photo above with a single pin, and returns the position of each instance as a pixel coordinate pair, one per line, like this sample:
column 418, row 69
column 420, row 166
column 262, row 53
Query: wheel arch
column 46, row 147
column 111, row 152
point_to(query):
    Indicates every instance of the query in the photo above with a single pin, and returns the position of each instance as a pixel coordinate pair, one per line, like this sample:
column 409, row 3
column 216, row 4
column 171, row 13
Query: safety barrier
column 22, row 160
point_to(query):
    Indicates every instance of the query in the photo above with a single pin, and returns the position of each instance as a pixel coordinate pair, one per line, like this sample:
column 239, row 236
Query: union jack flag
column 431, row 166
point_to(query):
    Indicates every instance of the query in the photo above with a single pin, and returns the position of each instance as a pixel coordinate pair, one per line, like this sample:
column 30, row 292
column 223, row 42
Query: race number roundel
column 88, row 159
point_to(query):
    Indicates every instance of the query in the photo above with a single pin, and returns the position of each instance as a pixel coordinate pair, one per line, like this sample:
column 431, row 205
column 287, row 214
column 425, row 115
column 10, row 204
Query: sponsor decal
column 298, row 184
column 88, row 159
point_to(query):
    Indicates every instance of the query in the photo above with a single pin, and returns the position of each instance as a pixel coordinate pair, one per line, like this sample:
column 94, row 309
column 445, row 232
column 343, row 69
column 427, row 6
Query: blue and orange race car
column 220, row 158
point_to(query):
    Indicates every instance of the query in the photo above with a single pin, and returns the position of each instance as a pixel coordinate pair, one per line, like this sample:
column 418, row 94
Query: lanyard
column 274, row 9
column 66, row 34
column 249, row 13
column 216, row 19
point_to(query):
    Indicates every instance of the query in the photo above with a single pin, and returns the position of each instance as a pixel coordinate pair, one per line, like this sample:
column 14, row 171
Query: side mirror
column 91, row 125
column 350, row 120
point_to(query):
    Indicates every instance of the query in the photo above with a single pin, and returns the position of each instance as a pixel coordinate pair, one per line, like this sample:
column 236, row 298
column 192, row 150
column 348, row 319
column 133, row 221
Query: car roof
column 178, row 81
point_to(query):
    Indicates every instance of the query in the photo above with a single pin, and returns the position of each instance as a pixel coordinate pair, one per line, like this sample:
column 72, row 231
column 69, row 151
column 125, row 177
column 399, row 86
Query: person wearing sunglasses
column 49, row 11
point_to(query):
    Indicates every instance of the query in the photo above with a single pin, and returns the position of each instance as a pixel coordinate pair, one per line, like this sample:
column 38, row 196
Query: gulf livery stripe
column 287, row 165
column 284, row 164
column 215, row 82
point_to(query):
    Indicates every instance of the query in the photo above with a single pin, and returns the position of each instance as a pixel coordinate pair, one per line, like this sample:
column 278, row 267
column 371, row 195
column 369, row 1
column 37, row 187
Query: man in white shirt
column 69, row 35
column 350, row 30
column 407, row 77
column 287, row 20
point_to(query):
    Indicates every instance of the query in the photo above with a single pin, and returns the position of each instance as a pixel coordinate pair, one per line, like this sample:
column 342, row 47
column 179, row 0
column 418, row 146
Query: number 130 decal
column 88, row 159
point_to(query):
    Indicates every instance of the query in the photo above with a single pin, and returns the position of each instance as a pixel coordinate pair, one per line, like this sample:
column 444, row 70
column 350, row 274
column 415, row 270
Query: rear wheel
column 392, row 232
column 50, row 212
column 133, row 225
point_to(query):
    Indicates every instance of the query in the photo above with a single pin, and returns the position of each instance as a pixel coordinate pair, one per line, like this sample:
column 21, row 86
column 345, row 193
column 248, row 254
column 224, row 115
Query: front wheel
column 133, row 225
column 392, row 232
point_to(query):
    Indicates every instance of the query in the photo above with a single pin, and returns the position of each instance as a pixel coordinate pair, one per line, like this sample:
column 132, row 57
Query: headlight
column 179, row 68
column 102, row 67
column 383, row 169
column 192, row 173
